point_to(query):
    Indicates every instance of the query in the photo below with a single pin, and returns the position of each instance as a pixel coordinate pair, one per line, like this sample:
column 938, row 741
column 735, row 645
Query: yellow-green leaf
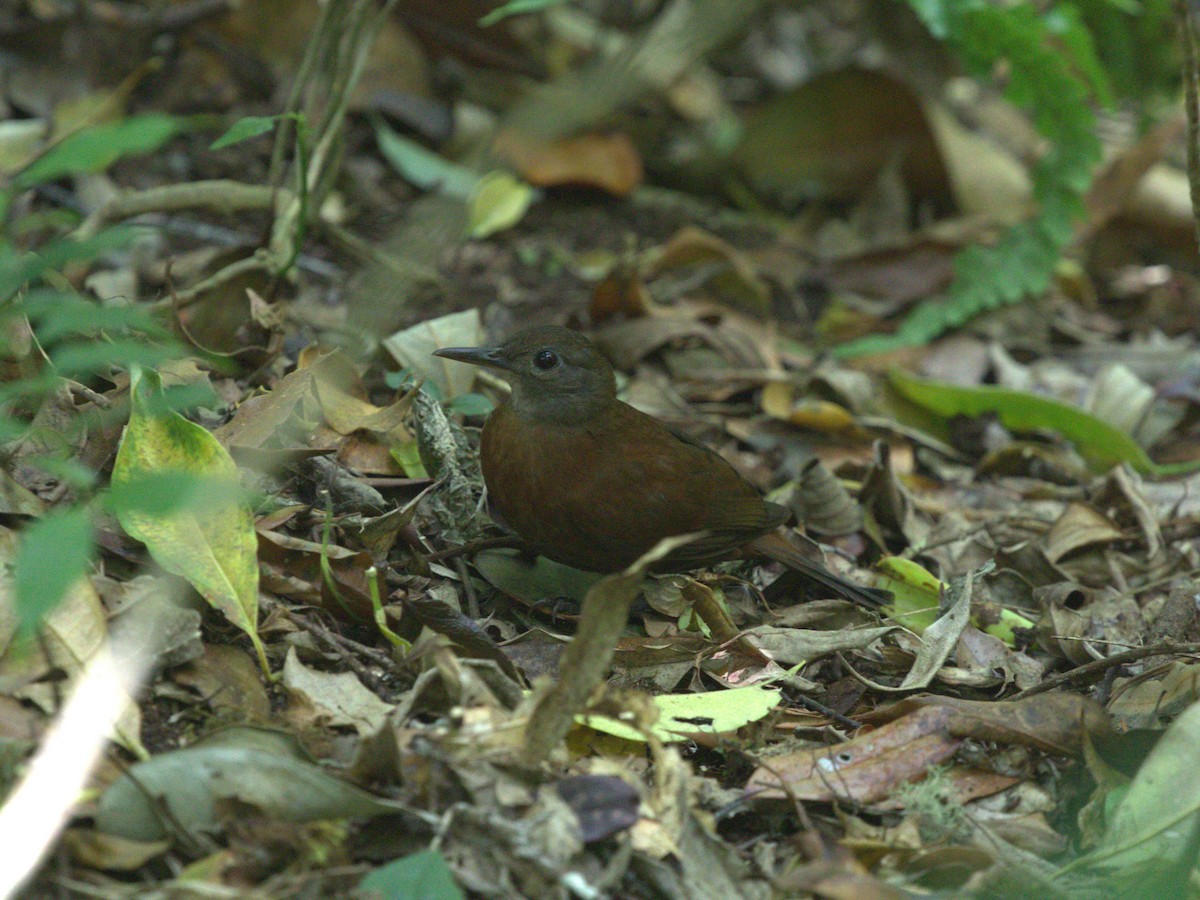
column 408, row 455
column 209, row 540
column 681, row 715
column 499, row 202
column 915, row 592
column 917, row 596
column 1096, row 441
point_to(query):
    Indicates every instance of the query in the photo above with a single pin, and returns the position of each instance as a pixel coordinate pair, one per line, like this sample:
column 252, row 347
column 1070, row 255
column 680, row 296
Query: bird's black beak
column 489, row 357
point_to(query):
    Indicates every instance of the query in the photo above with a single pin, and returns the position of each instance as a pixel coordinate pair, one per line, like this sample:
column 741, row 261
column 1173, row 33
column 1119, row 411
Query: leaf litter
column 369, row 701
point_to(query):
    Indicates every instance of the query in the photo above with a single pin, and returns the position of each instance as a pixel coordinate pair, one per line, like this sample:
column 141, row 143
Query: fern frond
column 1054, row 73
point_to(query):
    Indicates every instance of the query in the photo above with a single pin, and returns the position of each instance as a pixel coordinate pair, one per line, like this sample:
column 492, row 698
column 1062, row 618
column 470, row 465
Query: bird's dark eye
column 545, row 359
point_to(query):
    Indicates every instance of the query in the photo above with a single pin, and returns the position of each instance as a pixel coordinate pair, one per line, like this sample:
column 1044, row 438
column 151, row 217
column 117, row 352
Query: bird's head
column 556, row 374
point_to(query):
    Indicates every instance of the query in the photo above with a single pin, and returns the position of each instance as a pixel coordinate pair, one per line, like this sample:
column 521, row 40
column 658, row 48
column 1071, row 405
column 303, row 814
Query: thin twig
column 350, row 647
column 1088, row 671
column 295, row 101
column 827, row 711
column 460, row 565
column 259, row 262
column 219, row 195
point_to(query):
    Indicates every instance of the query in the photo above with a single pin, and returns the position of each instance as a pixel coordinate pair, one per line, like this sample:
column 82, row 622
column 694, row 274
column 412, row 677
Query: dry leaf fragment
column 277, row 418
column 227, row 680
column 734, row 277
column 609, row 162
column 830, row 138
column 920, row 732
column 296, row 569
column 1055, row 724
column 1079, row 526
column 339, row 697
column 864, row 770
column 264, row 769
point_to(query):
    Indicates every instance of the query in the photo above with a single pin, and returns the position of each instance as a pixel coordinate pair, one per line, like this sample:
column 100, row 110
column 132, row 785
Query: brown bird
column 593, row 483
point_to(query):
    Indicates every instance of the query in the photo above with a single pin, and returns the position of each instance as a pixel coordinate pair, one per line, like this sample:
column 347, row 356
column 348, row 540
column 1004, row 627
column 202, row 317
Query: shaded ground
column 1026, row 492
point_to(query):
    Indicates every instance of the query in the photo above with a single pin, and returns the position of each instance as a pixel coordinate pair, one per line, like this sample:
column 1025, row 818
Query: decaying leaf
column 339, row 698
column 413, row 349
column 920, row 733
column 72, row 633
column 263, row 769
column 757, row 215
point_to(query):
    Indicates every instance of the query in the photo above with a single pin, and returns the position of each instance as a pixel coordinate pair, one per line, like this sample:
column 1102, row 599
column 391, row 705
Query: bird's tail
column 774, row 545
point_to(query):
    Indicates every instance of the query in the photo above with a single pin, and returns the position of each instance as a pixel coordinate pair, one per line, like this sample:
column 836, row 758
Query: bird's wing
column 718, row 502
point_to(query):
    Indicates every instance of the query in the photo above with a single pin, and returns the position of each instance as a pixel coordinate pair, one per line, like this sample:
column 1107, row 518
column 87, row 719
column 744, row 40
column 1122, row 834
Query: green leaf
column 423, row 167
column 211, row 544
column 1101, row 445
column 95, row 149
column 188, row 788
column 917, row 597
column 680, row 715
column 1134, row 40
column 243, row 130
column 408, row 455
column 1154, row 826
column 405, row 378
column 56, row 314
column 18, row 269
column 11, row 429
column 82, row 337
column 517, row 8
column 419, row 876
column 499, row 202
column 35, row 386
column 472, row 404
column 532, row 580
column 75, row 629
column 1064, row 22
column 54, row 553
column 76, row 359
column 158, row 494
column 915, row 593
column 79, row 477
column 181, row 397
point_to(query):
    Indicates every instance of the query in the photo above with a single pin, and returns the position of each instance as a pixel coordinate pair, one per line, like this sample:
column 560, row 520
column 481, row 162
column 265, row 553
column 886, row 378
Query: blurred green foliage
column 1052, row 69
column 73, row 339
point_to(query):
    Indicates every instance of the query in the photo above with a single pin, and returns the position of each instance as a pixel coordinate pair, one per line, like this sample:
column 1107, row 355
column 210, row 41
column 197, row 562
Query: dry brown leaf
column 734, row 279
column 1079, row 526
column 866, row 769
column 831, row 137
column 292, row 566
column 609, row 162
column 227, row 679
